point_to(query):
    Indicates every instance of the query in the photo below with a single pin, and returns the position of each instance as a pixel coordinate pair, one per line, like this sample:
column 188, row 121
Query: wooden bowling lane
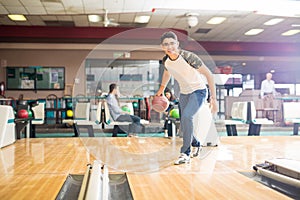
column 30, row 186
column 36, row 168
column 199, row 186
column 217, row 174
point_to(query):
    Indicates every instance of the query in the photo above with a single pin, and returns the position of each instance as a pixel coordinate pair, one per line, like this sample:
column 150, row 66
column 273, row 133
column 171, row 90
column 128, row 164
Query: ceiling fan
column 108, row 21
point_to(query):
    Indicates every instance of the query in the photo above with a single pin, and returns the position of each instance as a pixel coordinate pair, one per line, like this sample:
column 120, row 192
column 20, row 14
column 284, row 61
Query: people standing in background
column 172, row 102
column 267, row 86
column 267, row 92
column 171, row 99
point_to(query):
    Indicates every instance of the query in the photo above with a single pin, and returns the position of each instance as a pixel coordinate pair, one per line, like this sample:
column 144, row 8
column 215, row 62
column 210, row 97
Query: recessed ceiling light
column 291, row 32
column 254, row 31
column 295, row 25
column 273, row 21
column 94, row 18
column 216, row 20
column 142, row 19
column 17, row 17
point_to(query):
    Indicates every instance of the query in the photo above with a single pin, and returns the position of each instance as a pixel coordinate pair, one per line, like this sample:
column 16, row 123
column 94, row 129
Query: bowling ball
column 174, row 113
column 135, row 104
column 69, row 105
column 69, row 113
column 30, row 113
column 160, row 103
column 22, row 113
column 126, row 109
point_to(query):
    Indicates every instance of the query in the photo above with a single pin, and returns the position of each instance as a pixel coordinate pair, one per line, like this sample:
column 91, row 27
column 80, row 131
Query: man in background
column 267, row 93
column 119, row 115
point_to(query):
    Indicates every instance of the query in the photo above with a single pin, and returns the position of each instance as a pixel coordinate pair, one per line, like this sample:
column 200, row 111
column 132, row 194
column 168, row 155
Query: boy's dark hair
column 168, row 34
column 112, row 87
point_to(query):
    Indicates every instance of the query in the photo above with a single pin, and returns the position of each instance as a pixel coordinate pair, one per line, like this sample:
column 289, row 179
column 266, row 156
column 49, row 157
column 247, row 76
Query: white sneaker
column 195, row 151
column 183, row 158
column 166, row 133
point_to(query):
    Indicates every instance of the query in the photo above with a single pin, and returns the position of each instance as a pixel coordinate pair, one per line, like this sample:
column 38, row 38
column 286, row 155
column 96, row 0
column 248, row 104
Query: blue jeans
column 134, row 127
column 189, row 105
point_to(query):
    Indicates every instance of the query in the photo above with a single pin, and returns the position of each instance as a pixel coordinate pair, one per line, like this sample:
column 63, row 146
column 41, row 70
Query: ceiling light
column 254, row 31
column 216, row 20
column 17, row 17
column 142, row 19
column 94, row 18
column 295, row 25
column 273, row 21
column 291, row 32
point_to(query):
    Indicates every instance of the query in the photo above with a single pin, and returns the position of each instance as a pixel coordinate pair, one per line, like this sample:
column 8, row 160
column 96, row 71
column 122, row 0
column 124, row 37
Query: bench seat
column 245, row 113
column 291, row 114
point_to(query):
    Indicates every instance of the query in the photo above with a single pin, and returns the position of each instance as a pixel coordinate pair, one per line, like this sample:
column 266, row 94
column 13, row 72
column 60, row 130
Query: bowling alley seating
column 81, row 113
column 244, row 113
column 118, row 126
column 274, row 113
column 82, row 118
column 108, row 120
column 7, row 126
column 39, row 117
column 291, row 114
column 12, row 102
column 52, row 109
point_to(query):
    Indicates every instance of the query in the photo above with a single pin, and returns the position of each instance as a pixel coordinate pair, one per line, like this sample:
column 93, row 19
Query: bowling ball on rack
column 135, row 104
column 69, row 113
column 22, row 114
column 69, row 104
column 160, row 103
column 30, row 113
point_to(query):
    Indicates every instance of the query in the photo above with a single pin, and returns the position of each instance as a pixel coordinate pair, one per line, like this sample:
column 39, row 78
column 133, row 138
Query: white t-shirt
column 188, row 78
column 267, row 86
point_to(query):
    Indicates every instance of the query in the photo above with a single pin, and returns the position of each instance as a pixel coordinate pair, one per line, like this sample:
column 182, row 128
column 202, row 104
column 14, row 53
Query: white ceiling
column 164, row 14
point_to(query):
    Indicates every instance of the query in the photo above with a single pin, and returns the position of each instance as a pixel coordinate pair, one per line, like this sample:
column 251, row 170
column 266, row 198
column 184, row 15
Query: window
column 35, row 78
